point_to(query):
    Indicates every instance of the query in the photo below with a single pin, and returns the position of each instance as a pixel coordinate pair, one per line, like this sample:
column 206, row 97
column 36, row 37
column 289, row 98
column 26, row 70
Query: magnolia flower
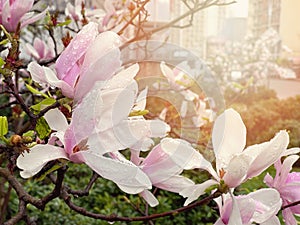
column 288, row 185
column 88, row 58
column 100, row 126
column 257, row 207
column 40, row 49
column 13, row 12
column 234, row 165
column 74, row 11
column 164, row 164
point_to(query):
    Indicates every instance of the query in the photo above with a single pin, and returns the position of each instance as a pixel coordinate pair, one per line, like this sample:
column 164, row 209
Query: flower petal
column 192, row 193
column 169, row 158
column 175, row 184
column 102, row 70
column 125, row 174
column 149, row 198
column 32, row 19
column 237, row 170
column 268, row 203
column 76, row 49
column 269, row 153
column 228, row 137
column 56, row 120
column 286, row 168
column 272, row 221
column 31, row 163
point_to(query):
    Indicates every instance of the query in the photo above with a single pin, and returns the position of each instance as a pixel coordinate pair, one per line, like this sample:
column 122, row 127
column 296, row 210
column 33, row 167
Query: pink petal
column 76, row 49
column 100, row 49
column 169, row 158
column 228, row 137
column 268, row 203
column 286, row 168
column 26, row 21
column 15, row 12
column 288, row 217
column 31, row 163
column 100, row 71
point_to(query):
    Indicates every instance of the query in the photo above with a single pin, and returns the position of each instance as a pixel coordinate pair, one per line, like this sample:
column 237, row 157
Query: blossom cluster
column 106, row 128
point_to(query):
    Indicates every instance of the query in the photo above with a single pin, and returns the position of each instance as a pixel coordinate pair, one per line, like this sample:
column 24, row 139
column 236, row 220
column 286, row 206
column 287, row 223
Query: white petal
column 31, row 163
column 268, row 203
column 229, row 137
column 237, row 170
column 149, row 198
column 235, row 216
column 194, row 192
column 272, row 221
column 170, row 157
column 269, row 154
column 124, row 173
column 56, row 120
column 117, row 105
column 175, row 184
column 291, row 151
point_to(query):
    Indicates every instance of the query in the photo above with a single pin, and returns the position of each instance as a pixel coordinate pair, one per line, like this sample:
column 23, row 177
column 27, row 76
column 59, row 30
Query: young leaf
column 43, row 104
column 29, row 133
column 34, row 91
column 42, row 128
column 2, row 62
column 3, row 126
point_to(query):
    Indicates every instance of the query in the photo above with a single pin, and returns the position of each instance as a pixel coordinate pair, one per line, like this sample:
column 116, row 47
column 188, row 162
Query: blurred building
column 192, row 32
column 281, row 15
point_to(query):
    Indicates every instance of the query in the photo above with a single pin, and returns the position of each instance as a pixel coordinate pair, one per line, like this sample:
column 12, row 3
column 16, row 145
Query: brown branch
column 113, row 218
column 133, row 16
column 19, row 216
column 87, row 189
column 290, row 205
column 174, row 21
column 18, row 187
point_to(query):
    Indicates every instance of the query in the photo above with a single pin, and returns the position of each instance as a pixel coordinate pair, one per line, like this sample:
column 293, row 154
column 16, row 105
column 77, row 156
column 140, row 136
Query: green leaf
column 29, row 133
column 43, row 104
column 3, row 126
column 211, row 188
column 42, row 128
column 2, row 62
column 4, row 42
column 67, row 22
column 34, row 91
column 53, row 168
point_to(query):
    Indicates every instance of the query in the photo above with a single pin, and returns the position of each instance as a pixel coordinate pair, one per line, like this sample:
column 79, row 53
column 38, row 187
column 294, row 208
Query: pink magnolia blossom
column 234, row 164
column 90, row 57
column 13, row 12
column 164, row 164
column 40, row 49
column 257, row 207
column 74, row 11
column 100, row 126
column 288, row 185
